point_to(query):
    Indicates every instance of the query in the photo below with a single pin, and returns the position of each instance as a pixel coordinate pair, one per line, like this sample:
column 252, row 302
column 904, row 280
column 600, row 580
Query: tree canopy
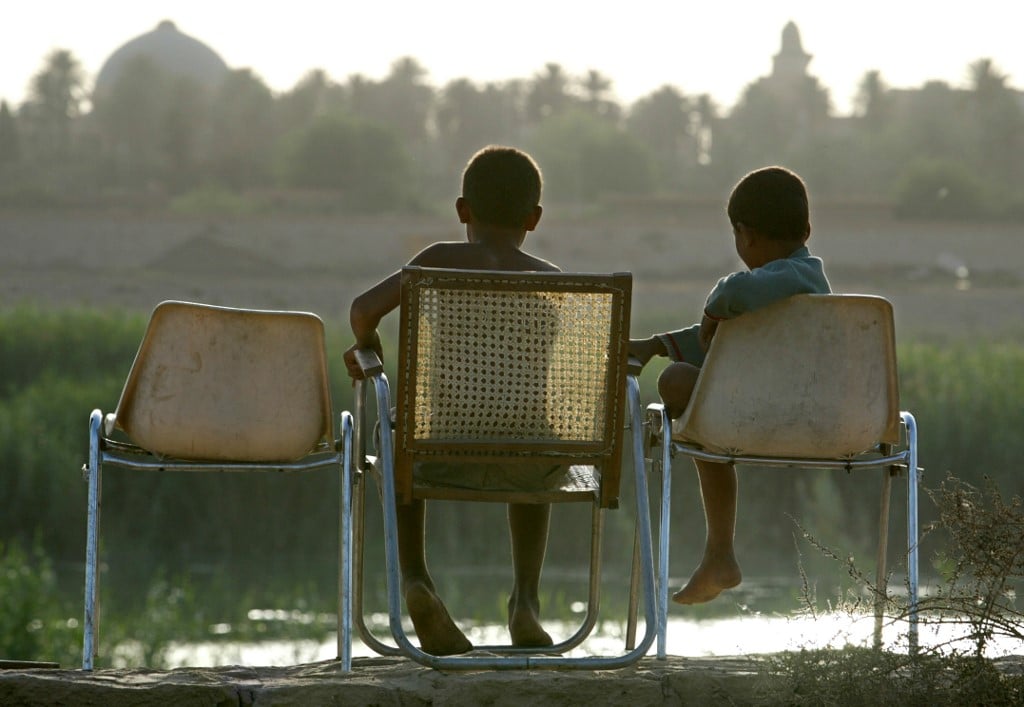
column 399, row 141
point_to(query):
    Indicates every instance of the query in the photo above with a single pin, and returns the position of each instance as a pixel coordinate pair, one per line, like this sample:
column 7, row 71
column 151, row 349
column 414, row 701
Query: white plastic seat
column 810, row 381
column 222, row 389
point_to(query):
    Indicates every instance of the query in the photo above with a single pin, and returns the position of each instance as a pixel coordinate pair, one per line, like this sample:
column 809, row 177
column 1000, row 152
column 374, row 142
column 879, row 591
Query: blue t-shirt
column 745, row 291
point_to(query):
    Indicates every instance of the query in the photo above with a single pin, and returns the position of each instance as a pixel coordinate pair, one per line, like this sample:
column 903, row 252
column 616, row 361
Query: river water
column 745, row 635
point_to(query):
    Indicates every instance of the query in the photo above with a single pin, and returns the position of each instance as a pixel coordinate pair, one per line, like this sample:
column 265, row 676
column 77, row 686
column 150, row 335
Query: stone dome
column 173, row 52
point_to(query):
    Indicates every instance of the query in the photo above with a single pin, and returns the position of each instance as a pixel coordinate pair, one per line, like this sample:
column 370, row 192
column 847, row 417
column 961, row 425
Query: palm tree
column 596, row 88
column 661, row 122
column 998, row 123
column 702, row 127
column 308, row 99
column 55, row 99
column 242, row 130
column 985, row 78
column 548, row 93
column 407, row 100
column 10, row 147
column 871, row 103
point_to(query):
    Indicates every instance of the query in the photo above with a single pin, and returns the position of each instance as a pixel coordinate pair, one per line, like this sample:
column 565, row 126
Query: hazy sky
column 712, row 47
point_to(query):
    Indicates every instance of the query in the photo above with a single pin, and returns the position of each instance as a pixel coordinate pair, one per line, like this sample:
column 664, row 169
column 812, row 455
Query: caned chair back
column 811, row 376
column 512, row 367
column 216, row 383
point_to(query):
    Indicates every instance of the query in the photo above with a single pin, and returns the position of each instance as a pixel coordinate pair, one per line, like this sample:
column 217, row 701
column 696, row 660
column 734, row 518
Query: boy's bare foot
column 437, row 632
column 524, row 625
column 709, row 580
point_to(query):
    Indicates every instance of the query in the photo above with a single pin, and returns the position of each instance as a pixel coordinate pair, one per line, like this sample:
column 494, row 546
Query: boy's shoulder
column 476, row 256
column 438, row 253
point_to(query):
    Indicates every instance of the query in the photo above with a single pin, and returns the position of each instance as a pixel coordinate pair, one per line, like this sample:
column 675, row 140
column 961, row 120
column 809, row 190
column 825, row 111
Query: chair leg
column 663, row 533
column 912, row 536
column 345, row 547
column 634, row 591
column 359, row 485
column 358, row 561
column 593, row 589
column 881, row 559
column 394, row 574
column 92, row 579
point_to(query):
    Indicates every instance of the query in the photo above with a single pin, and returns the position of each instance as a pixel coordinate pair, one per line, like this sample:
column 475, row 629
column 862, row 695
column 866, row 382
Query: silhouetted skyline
column 714, row 48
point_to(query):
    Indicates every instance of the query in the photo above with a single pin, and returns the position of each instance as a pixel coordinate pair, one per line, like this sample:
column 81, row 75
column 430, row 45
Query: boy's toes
column 708, row 581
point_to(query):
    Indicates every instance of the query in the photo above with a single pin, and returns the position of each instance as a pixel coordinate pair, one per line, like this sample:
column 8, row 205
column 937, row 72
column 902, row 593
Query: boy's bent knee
column 675, row 386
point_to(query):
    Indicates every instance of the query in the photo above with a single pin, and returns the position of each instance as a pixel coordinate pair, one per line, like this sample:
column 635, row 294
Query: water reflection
column 744, row 635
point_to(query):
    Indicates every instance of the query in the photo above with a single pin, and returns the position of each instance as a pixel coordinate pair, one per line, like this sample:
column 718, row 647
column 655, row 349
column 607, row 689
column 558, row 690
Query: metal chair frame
column 329, row 452
column 606, row 453
column 894, row 455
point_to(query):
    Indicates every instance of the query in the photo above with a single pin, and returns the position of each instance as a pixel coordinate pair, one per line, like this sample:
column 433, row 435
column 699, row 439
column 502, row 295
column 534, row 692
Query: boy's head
column 501, row 186
column 773, row 202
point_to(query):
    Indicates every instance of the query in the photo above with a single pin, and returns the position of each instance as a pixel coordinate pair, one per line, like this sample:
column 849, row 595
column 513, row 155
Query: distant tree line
column 399, row 142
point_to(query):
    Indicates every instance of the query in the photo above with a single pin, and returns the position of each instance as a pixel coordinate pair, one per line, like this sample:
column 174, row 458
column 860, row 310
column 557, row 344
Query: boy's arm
column 646, row 349
column 683, row 345
column 365, row 314
column 373, row 305
column 708, row 326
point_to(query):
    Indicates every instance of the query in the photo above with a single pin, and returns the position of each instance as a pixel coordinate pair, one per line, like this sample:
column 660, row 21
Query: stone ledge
column 393, row 681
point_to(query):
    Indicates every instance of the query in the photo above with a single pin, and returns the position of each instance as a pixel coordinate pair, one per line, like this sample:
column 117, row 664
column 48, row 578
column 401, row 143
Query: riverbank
column 965, row 279
column 744, row 680
column 394, row 681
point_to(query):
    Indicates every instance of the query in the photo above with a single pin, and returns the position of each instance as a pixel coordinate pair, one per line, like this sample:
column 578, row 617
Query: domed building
column 171, row 51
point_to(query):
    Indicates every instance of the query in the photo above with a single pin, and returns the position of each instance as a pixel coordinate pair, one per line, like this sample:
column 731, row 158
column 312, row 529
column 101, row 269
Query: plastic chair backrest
column 516, row 367
column 812, row 376
column 222, row 384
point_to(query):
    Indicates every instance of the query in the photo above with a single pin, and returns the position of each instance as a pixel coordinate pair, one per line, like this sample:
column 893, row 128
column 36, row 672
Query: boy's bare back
column 481, row 256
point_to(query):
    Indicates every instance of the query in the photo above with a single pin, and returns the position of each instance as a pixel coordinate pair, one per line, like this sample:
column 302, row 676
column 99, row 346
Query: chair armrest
column 369, row 362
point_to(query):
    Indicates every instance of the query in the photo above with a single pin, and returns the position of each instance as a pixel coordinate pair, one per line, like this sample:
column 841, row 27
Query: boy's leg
column 675, row 385
column 718, row 569
column 437, row 632
column 528, row 528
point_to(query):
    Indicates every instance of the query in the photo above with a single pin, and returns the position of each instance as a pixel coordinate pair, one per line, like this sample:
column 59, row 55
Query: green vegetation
column 982, row 559
column 938, row 151
column 36, row 623
column 855, row 677
column 244, row 542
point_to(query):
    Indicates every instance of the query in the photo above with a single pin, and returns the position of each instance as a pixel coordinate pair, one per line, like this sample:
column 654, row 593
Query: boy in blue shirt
column 769, row 213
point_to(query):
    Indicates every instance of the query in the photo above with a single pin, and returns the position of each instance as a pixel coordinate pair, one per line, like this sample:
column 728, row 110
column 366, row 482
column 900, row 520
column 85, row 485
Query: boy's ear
column 462, row 209
column 747, row 234
column 534, row 218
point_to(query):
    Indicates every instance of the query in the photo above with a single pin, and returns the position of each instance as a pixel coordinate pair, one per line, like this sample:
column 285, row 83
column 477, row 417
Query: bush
column 213, row 199
column 940, row 190
column 80, row 345
column 34, row 623
column 364, row 162
column 586, row 157
column 861, row 676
